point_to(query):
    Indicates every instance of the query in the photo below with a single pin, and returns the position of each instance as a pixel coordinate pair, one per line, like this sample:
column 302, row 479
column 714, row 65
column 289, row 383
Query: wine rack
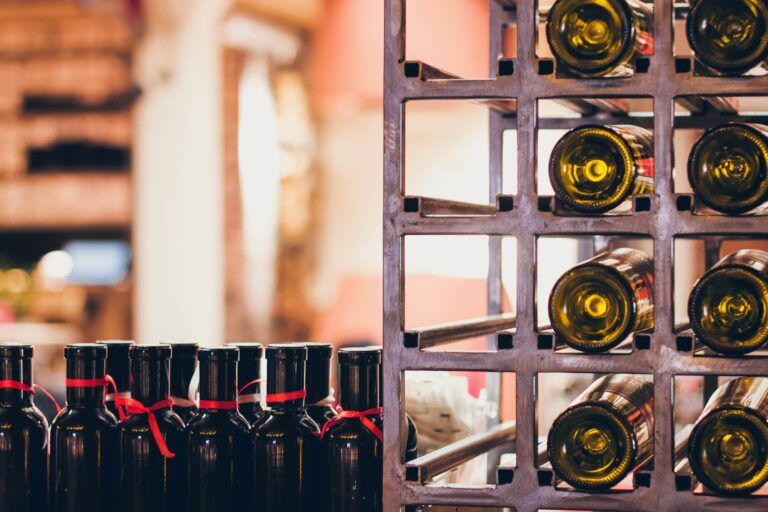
column 512, row 94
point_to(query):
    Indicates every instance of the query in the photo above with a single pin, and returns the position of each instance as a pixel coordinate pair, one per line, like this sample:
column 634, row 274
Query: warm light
column 57, row 265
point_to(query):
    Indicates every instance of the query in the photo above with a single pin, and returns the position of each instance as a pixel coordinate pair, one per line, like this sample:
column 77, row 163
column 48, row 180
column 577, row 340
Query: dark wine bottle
column 183, row 366
column 287, row 455
column 352, row 442
column 319, row 395
column 218, row 440
column 118, row 369
column 84, row 438
column 23, row 435
column 153, row 468
column 412, row 441
column 249, row 381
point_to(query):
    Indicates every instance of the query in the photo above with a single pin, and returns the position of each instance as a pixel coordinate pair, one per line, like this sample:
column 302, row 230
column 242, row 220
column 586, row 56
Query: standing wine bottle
column 728, row 307
column 352, row 442
column 606, row 433
column 597, row 304
column 599, row 38
column 319, row 394
column 218, row 441
column 728, row 168
column 152, row 439
column 594, row 169
column 84, row 438
column 288, row 473
column 249, row 381
column 183, row 366
column 728, row 446
column 729, row 37
column 117, row 368
column 23, row 435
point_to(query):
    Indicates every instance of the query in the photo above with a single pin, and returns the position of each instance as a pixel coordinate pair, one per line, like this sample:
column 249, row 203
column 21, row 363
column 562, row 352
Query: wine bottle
column 352, row 441
column 728, row 446
column 84, row 468
column 287, row 455
column 594, row 169
column 729, row 37
column 319, row 394
column 23, row 435
column 728, row 168
column 597, row 304
column 183, row 366
column 218, row 441
column 249, row 381
column 599, row 38
column 606, row 433
column 118, row 369
column 412, row 439
column 153, row 468
column 728, row 307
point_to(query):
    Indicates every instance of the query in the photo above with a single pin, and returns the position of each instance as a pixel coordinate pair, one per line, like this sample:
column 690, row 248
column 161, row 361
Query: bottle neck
column 118, row 367
column 359, row 386
column 285, row 385
column 248, row 370
column 83, row 376
column 16, row 370
column 150, row 380
column 318, row 379
column 218, row 381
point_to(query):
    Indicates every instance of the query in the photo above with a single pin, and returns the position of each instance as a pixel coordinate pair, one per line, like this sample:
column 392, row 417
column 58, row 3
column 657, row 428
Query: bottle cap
column 155, row 351
column 86, row 350
column 286, row 352
column 218, row 354
column 360, row 355
column 15, row 351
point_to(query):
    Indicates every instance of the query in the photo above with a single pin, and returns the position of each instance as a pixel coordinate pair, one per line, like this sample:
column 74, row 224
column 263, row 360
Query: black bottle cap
column 85, row 350
column 218, row 354
column 319, row 350
column 117, row 345
column 249, row 350
column 15, row 351
column 360, row 355
column 155, row 351
column 183, row 349
column 286, row 352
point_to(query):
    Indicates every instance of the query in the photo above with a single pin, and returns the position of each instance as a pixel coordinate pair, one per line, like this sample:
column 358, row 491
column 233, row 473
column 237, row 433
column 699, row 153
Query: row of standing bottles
column 149, row 445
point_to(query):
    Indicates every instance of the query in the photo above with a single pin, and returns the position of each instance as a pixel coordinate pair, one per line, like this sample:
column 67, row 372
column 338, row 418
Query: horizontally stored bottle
column 249, row 381
column 606, row 433
column 289, row 474
column 352, row 442
column 153, row 469
column 412, row 439
column 599, row 38
column 117, row 368
column 319, row 394
column 183, row 366
column 729, row 37
column 597, row 304
column 728, row 168
column 84, row 467
column 728, row 446
column 23, row 435
column 594, row 169
column 728, row 307
column 218, row 441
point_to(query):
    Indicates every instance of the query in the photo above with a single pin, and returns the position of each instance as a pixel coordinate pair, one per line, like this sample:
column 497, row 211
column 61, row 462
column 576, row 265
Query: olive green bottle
column 597, row 304
column 728, row 307
column 729, row 36
column 728, row 167
column 606, row 433
column 594, row 169
column 728, row 446
column 599, row 38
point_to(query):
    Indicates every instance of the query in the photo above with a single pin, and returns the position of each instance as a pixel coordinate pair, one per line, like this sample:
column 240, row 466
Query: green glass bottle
column 728, row 446
column 599, row 38
column 728, row 168
column 729, row 37
column 597, row 304
column 606, row 433
column 594, row 169
column 728, row 307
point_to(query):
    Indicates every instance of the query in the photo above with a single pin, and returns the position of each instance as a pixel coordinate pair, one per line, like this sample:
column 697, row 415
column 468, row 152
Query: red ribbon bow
column 133, row 406
column 359, row 415
column 15, row 384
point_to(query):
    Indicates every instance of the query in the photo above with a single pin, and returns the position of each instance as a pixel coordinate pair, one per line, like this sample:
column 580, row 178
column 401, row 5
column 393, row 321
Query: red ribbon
column 49, row 395
column 107, row 381
column 133, row 406
column 248, row 385
column 359, row 415
column 278, row 398
column 15, row 384
column 227, row 405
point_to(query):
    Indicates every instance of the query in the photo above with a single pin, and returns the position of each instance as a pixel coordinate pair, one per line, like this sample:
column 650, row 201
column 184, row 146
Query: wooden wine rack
column 665, row 353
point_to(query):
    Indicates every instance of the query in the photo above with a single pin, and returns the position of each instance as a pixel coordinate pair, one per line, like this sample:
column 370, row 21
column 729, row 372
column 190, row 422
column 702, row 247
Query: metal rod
column 453, row 331
column 432, row 207
column 448, row 457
